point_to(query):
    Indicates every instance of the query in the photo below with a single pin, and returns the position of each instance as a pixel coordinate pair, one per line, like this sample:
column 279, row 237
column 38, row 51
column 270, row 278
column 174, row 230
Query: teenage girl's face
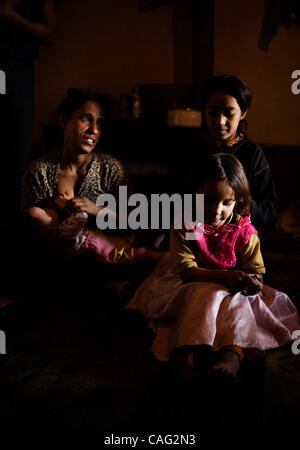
column 219, row 202
column 83, row 130
column 222, row 117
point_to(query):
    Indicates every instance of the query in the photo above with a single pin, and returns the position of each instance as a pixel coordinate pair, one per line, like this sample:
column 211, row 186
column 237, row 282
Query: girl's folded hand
column 255, row 286
column 238, row 281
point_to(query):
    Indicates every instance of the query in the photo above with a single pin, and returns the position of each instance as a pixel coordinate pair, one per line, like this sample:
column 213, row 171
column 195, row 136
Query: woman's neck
column 75, row 163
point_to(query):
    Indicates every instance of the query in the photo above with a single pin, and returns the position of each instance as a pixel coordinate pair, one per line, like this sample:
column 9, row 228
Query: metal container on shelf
column 184, row 118
column 131, row 108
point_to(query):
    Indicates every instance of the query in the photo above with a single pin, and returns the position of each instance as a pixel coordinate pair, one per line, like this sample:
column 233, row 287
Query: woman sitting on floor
column 60, row 189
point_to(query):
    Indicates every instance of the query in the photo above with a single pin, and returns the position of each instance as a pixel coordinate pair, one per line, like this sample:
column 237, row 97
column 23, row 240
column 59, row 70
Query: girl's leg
column 231, row 358
column 118, row 250
column 145, row 254
column 182, row 365
column 124, row 255
column 204, row 357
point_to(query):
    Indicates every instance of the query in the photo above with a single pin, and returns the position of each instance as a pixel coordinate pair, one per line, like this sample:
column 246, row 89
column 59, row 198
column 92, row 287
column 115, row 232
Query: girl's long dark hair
column 222, row 167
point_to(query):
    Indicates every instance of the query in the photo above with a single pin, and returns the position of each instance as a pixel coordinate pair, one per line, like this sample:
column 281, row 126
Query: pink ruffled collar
column 209, row 229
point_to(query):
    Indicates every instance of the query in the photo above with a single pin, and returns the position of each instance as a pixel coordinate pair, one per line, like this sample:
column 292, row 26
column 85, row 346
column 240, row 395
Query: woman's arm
column 36, row 186
column 42, row 222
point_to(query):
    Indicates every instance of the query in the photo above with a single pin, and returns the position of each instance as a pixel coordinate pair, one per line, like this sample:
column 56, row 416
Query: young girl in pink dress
column 208, row 293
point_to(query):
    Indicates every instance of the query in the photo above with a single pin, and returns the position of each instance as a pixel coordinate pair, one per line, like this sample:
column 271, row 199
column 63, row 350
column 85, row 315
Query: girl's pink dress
column 199, row 313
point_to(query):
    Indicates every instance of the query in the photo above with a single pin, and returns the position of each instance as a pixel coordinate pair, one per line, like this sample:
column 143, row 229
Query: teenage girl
column 225, row 101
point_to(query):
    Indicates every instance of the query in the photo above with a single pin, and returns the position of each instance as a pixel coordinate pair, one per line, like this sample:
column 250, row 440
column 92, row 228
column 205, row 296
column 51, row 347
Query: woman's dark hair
column 77, row 97
column 223, row 167
column 232, row 85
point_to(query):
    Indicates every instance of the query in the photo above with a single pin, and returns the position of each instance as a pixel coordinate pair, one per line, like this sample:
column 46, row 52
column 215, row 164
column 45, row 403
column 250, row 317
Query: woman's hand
column 60, row 201
column 83, row 204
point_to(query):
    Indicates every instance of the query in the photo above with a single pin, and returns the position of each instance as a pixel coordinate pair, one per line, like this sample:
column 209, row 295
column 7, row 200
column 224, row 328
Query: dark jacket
column 265, row 205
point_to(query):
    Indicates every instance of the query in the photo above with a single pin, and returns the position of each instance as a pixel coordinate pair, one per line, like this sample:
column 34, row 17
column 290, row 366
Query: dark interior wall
column 182, row 42
column 111, row 46
column 105, row 45
column 274, row 114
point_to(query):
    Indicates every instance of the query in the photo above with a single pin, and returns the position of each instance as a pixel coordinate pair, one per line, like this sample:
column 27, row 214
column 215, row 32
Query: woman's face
column 83, row 130
column 219, row 202
column 222, row 116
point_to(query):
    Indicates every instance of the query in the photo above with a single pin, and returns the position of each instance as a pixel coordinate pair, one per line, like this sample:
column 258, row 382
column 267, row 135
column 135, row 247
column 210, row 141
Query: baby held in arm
column 47, row 219
column 67, row 225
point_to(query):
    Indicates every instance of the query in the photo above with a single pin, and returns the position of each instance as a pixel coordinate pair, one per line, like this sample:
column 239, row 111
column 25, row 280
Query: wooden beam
column 182, row 43
column 203, row 43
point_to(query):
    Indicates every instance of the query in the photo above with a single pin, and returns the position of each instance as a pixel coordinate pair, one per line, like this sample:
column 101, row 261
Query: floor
column 77, row 363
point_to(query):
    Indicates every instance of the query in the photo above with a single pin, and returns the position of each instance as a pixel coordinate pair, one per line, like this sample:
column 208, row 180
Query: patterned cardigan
column 104, row 175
